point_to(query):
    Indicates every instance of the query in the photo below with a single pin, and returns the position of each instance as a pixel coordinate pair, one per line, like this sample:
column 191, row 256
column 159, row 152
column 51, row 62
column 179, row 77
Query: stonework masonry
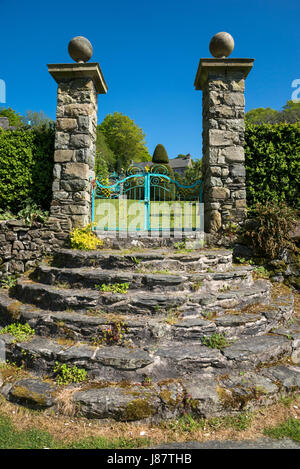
column 224, row 193
column 23, row 246
column 75, row 143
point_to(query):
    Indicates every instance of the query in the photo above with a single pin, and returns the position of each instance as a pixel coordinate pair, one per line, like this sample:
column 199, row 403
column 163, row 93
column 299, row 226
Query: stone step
column 92, row 326
column 187, row 304
column 163, row 379
column 166, row 359
column 140, row 302
column 144, row 350
column 149, row 332
column 195, row 261
column 207, row 395
column 54, row 298
column 89, row 277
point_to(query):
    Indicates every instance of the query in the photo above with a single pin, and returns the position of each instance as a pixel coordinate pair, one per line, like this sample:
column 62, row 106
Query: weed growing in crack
column 113, row 288
column 216, row 340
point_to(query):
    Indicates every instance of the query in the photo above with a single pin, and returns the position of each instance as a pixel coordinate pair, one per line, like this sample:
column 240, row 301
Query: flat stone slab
column 202, row 391
column 198, row 260
column 40, row 347
column 123, row 358
column 49, row 297
column 119, row 404
column 33, row 393
column 256, row 350
column 190, row 356
column 287, row 376
column 89, row 277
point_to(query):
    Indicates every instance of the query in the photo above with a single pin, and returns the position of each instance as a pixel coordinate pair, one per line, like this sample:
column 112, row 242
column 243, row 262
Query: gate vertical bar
column 147, row 202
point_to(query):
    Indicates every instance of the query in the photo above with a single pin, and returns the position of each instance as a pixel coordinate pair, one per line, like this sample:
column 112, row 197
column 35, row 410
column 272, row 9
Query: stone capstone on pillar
column 75, row 142
column 222, row 82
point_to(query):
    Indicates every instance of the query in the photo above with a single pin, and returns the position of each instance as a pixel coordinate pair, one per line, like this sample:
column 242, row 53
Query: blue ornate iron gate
column 145, row 200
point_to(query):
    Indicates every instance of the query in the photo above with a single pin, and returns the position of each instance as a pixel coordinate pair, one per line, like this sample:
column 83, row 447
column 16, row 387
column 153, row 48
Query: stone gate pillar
column 75, row 138
column 222, row 82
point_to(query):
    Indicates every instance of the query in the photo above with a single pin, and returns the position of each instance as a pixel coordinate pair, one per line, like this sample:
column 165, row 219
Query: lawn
column 116, row 214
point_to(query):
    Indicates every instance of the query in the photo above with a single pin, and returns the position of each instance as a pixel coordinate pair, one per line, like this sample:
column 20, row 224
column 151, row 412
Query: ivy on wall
column 272, row 153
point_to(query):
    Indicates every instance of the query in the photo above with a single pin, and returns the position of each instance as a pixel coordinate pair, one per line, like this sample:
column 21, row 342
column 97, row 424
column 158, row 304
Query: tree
column 125, row 139
column 14, row 118
column 37, row 119
column 105, row 161
column 160, row 155
column 167, row 189
column 290, row 113
column 194, row 173
column 262, row 115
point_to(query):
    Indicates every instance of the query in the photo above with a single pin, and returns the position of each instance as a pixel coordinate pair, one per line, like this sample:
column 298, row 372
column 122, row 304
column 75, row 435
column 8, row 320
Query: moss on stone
column 22, row 393
column 166, row 396
column 14, row 309
column 294, row 281
column 138, row 409
column 235, row 401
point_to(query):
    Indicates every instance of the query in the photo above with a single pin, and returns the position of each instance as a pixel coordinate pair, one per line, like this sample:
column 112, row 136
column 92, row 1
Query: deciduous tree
column 125, row 139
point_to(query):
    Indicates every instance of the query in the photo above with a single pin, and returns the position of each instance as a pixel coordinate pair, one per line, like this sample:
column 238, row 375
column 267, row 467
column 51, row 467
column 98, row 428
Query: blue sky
column 149, row 54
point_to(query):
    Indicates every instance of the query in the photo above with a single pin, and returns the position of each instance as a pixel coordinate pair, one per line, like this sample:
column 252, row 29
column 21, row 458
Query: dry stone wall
column 22, row 246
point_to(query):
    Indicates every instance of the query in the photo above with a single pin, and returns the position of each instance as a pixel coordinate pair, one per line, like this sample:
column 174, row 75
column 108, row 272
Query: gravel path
column 262, row 443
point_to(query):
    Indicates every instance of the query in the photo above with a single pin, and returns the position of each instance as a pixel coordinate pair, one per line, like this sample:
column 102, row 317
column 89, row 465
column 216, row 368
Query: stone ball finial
column 80, row 49
column 221, row 45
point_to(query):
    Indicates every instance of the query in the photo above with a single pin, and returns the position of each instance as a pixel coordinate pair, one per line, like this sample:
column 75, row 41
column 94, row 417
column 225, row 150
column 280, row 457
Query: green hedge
column 26, row 167
column 272, row 154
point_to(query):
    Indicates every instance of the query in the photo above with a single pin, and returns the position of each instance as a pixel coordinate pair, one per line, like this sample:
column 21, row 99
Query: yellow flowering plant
column 84, row 239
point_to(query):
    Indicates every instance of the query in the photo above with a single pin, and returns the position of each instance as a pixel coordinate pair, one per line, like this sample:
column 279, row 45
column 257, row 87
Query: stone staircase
column 179, row 332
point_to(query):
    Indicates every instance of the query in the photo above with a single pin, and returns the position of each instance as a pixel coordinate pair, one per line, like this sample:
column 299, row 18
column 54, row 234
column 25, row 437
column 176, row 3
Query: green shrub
column 32, row 212
column 272, row 159
column 26, row 167
column 160, row 155
column 161, row 189
column 270, row 234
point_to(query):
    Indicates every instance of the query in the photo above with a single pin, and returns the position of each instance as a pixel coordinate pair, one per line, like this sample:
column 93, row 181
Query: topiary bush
column 160, row 154
column 163, row 189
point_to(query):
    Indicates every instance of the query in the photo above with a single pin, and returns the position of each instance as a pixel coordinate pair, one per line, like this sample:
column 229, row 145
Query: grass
column 24, row 428
column 289, row 429
column 107, row 215
column 189, row 424
column 9, row 281
column 12, row 438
